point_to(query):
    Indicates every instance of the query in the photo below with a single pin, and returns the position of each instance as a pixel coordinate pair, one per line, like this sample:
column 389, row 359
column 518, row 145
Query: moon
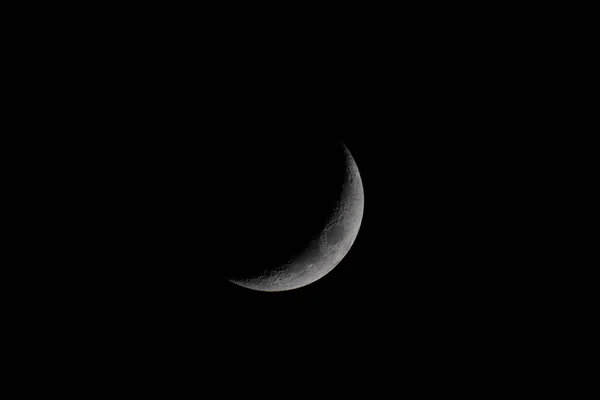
column 322, row 233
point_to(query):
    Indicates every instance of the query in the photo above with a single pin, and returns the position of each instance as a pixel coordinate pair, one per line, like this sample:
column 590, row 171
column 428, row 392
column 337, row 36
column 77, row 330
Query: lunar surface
column 319, row 211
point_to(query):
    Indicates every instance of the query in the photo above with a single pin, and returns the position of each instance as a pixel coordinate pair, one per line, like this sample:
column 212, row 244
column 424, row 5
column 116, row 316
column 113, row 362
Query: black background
column 139, row 234
column 424, row 268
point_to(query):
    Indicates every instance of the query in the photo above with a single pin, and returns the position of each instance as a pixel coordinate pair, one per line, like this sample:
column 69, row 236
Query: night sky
column 169, row 216
column 140, row 138
column 157, row 213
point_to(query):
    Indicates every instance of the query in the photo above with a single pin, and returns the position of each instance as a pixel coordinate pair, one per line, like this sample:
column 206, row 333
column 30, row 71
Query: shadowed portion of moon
column 300, row 210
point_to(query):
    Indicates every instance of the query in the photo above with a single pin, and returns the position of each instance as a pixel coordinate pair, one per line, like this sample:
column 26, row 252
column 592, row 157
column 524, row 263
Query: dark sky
column 166, row 229
column 424, row 263
column 134, row 129
column 427, row 272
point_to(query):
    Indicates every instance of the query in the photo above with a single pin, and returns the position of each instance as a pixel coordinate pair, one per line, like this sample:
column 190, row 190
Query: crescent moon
column 326, row 249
